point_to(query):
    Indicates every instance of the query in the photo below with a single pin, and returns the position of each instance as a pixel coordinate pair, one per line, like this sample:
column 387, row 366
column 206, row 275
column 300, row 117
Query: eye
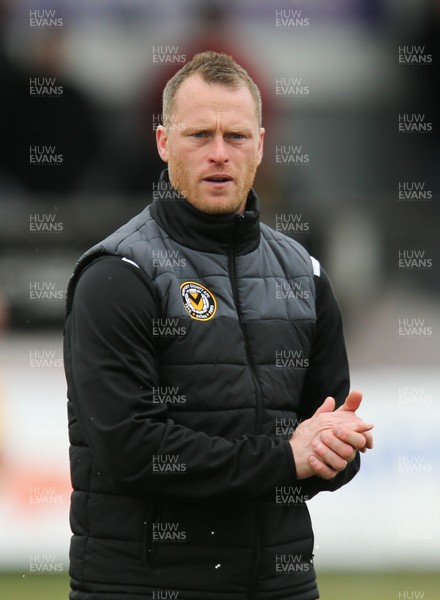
column 236, row 136
column 199, row 135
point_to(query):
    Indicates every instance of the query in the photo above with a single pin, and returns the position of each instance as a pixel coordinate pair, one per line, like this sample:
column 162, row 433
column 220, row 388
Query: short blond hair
column 214, row 67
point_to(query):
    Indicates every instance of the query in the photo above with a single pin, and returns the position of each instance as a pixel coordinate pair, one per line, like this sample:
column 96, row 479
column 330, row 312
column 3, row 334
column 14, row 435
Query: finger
column 368, row 439
column 328, row 456
column 359, row 426
column 352, row 401
column 320, row 469
column 348, row 420
column 327, row 406
column 341, row 448
column 355, row 439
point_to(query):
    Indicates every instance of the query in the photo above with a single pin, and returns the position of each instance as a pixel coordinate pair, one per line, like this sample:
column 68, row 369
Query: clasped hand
column 324, row 444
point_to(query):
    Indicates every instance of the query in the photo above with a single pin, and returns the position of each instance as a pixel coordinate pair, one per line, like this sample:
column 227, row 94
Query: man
column 188, row 372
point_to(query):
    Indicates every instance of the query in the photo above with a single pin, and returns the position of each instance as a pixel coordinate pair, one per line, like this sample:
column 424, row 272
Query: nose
column 218, row 151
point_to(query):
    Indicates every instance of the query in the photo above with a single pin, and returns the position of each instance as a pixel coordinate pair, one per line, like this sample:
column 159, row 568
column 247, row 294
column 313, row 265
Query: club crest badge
column 198, row 301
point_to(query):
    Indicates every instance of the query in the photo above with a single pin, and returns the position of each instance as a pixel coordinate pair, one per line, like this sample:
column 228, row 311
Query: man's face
column 213, row 145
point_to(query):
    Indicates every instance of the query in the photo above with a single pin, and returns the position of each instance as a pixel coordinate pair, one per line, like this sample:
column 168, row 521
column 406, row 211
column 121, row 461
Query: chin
column 217, row 207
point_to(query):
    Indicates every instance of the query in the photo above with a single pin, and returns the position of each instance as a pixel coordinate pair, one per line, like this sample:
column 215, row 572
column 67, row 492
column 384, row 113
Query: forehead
column 196, row 98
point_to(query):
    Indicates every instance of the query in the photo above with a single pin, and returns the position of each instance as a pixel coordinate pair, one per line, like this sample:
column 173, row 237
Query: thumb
column 352, row 401
column 327, row 406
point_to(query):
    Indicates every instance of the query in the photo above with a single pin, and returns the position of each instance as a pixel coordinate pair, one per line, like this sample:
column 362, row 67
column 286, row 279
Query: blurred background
column 351, row 170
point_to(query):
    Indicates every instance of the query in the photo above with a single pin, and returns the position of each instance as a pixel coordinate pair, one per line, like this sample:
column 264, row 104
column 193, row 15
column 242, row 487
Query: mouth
column 219, row 179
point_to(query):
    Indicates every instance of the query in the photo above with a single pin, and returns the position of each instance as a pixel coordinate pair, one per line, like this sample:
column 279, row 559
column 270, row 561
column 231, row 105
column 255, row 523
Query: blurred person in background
column 49, row 134
column 207, row 375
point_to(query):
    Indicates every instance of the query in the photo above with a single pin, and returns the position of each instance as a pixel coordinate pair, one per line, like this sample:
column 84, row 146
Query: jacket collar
column 203, row 232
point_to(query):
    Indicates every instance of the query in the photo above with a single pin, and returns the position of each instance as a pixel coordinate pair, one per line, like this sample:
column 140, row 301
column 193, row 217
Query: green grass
column 332, row 585
column 26, row 586
column 379, row 586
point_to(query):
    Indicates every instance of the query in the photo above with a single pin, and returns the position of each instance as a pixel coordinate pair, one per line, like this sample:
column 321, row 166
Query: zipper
column 233, row 279
column 259, row 408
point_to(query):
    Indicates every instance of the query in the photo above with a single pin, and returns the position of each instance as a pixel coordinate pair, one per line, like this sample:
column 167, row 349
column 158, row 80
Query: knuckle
column 315, row 443
column 320, row 451
column 315, row 446
column 327, row 437
column 342, row 433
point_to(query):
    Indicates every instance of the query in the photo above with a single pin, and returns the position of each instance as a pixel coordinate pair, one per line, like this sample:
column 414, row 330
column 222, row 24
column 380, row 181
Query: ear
column 162, row 142
column 260, row 145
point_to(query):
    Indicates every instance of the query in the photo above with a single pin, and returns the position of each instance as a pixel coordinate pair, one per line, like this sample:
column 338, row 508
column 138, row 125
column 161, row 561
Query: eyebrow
column 244, row 129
